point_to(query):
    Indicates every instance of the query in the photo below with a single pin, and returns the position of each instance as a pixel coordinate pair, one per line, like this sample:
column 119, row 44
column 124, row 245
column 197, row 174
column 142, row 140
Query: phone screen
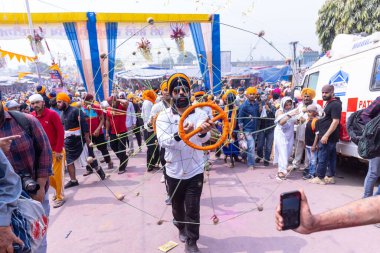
column 290, row 209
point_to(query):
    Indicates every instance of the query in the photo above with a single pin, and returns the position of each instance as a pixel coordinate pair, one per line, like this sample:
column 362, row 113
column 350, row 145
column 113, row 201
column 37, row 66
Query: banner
column 19, row 57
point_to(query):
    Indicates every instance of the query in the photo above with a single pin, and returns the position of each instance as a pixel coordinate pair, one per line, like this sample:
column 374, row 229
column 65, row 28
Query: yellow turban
column 251, row 90
column 63, row 97
column 308, row 91
column 164, row 86
column 41, row 89
column 231, row 91
column 130, row 95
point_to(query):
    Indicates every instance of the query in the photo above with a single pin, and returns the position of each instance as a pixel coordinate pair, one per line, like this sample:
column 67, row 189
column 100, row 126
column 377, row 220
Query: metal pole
column 33, row 42
column 294, row 65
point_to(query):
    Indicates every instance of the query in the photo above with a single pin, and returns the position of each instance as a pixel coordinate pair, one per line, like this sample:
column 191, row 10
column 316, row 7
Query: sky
column 282, row 21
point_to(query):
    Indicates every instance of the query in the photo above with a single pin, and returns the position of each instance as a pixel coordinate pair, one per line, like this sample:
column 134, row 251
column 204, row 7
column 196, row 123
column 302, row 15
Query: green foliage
column 347, row 16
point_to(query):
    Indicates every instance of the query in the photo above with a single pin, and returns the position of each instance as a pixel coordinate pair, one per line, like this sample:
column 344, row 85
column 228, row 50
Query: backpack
column 369, row 143
column 355, row 126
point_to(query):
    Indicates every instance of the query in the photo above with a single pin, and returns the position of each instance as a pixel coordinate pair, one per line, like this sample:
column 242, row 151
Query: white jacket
column 145, row 112
column 182, row 161
column 131, row 116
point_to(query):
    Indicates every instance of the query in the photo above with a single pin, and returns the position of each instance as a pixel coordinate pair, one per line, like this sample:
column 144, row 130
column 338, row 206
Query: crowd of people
column 54, row 132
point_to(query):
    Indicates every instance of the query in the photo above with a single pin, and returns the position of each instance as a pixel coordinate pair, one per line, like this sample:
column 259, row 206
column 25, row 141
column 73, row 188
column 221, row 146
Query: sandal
column 281, row 176
column 58, row 203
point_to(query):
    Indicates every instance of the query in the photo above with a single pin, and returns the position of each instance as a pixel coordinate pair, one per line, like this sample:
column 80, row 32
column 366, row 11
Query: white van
column 353, row 67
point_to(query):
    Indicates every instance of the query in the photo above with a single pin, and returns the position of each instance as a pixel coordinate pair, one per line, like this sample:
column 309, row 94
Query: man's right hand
column 307, row 220
column 7, row 238
column 188, row 128
column 58, row 156
column 5, row 143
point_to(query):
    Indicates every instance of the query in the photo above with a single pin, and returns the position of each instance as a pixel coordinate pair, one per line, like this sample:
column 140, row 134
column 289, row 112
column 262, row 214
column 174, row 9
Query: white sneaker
column 162, row 180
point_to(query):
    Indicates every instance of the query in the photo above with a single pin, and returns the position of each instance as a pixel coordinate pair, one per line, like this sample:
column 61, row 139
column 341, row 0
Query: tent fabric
column 94, row 52
column 268, row 74
column 216, row 55
column 111, row 30
column 196, row 32
column 73, row 40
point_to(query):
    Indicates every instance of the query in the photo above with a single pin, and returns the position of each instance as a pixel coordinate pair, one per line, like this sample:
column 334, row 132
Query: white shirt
column 156, row 109
column 300, row 131
column 182, row 161
column 145, row 112
column 131, row 116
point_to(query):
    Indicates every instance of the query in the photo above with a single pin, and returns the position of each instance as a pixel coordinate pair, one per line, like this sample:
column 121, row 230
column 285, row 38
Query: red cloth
column 93, row 117
column 118, row 120
column 51, row 123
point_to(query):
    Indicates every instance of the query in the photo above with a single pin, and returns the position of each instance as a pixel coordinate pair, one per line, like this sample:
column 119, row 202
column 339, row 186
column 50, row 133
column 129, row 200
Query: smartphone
column 290, row 209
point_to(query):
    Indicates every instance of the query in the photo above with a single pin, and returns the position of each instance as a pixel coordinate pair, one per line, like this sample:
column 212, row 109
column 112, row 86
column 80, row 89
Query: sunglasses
column 177, row 89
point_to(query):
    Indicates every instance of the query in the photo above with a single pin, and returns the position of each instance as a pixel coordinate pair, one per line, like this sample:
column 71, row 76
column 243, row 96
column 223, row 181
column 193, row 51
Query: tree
column 186, row 58
column 347, row 16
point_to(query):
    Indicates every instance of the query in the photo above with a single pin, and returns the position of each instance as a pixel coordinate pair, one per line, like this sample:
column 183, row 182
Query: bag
column 29, row 222
column 369, row 143
column 355, row 126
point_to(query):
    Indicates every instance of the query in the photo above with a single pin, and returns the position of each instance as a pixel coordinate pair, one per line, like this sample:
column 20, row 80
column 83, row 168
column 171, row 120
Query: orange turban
column 308, row 91
column 149, row 95
column 63, row 97
column 199, row 93
column 251, row 90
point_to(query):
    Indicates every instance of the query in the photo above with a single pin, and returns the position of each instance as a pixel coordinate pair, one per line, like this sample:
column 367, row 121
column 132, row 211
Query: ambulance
column 353, row 67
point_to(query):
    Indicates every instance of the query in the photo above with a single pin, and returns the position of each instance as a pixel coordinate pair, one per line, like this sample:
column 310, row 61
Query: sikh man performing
column 184, row 167
column 156, row 109
column 307, row 95
column 95, row 120
column 52, row 125
column 76, row 136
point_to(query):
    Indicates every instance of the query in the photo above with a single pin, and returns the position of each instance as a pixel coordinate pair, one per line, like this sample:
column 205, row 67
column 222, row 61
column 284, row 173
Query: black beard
column 181, row 102
column 326, row 98
column 63, row 107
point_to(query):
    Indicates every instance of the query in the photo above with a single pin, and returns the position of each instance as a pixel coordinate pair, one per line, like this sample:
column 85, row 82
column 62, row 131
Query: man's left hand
column 324, row 139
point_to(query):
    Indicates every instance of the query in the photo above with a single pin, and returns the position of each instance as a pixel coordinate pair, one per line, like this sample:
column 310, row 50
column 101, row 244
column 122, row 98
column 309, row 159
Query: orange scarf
column 232, row 124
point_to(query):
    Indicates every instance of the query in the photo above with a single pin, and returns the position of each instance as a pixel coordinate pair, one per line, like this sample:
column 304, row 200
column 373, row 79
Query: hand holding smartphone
column 290, row 209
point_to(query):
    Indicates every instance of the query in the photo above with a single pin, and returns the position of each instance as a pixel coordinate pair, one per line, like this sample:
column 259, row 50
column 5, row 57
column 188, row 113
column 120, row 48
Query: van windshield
column 375, row 85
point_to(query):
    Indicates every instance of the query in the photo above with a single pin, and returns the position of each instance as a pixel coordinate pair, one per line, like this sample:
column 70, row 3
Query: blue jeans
column 251, row 148
column 46, row 205
column 326, row 159
column 372, row 175
column 265, row 139
column 312, row 160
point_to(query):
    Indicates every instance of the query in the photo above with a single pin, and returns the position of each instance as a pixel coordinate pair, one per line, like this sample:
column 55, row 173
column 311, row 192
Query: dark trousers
column 326, row 159
column 186, row 198
column 118, row 145
column 137, row 132
column 163, row 162
column 152, row 155
column 101, row 145
column 264, row 144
